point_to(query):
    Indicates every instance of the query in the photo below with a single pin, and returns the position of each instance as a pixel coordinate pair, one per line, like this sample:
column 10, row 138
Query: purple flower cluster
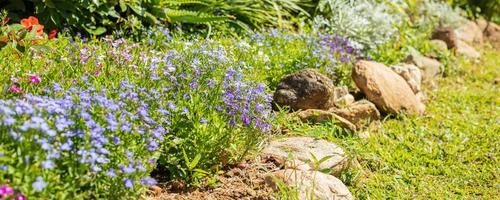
column 319, row 51
column 86, row 127
column 341, row 48
column 246, row 102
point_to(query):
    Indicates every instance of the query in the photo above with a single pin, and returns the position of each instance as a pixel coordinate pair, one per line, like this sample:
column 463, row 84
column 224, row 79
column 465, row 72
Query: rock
column 298, row 165
column 306, row 89
column 411, row 74
column 470, row 33
column 447, row 35
column 301, row 148
column 386, row 89
column 439, row 45
column 465, row 50
column 155, row 190
column 361, row 113
column 421, row 96
column 314, row 185
column 342, row 97
column 344, row 101
column 319, row 116
column 491, row 32
column 339, row 92
column 430, row 67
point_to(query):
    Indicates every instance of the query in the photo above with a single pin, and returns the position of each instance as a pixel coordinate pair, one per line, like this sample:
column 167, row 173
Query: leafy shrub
column 104, row 16
column 435, row 13
column 487, row 8
column 367, row 24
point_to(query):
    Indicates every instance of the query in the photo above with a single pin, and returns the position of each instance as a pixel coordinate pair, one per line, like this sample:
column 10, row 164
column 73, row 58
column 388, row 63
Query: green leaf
column 322, row 160
column 112, row 12
column 123, row 6
column 96, row 2
column 195, row 161
column 50, row 4
column 150, row 18
column 186, row 159
column 201, row 171
column 138, row 9
column 97, row 31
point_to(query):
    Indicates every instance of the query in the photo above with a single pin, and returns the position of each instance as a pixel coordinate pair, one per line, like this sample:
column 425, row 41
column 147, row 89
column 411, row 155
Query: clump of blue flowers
column 81, row 134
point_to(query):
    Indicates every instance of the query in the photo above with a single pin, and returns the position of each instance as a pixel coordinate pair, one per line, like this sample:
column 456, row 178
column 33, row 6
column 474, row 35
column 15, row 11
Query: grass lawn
column 451, row 152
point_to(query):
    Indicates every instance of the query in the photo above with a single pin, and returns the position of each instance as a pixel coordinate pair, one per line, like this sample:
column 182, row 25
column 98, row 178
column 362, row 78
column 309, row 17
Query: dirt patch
column 250, row 180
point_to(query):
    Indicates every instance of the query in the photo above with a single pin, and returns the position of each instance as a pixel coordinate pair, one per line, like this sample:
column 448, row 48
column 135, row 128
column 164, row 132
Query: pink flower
column 15, row 89
column 34, row 79
column 20, row 197
column 6, row 190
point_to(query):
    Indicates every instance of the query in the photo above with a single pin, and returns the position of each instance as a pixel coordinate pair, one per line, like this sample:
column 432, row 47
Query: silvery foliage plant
column 440, row 14
column 366, row 23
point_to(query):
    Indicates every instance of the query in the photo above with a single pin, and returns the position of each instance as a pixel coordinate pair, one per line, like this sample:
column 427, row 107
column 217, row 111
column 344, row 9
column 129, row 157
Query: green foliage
column 435, row 13
column 98, row 17
column 102, row 16
column 366, row 23
column 487, row 8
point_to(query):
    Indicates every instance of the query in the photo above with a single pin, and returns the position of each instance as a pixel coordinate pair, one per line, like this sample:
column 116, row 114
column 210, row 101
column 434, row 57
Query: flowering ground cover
column 107, row 114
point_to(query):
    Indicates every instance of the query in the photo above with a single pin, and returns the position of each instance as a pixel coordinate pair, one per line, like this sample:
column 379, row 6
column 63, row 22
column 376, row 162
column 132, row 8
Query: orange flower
column 31, row 22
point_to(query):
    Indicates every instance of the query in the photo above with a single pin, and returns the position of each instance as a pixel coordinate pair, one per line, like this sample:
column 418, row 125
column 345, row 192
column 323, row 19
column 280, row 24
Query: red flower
column 5, row 21
column 32, row 22
column 52, row 34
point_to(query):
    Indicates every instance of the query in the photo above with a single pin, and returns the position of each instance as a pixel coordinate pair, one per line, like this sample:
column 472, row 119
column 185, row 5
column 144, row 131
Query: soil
column 251, row 180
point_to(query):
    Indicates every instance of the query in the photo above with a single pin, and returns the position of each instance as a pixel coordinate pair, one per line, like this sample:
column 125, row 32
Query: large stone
column 306, row 89
column 361, row 113
column 314, row 185
column 299, row 150
column 320, row 116
column 411, row 74
column 465, row 50
column 491, row 32
column 430, row 67
column 470, row 32
column 386, row 89
column 447, row 35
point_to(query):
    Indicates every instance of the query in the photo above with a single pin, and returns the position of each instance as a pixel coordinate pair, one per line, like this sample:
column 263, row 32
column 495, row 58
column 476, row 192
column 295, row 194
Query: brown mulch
column 250, row 180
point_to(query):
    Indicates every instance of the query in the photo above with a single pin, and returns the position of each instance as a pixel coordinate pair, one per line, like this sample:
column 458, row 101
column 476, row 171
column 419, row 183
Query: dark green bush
column 490, row 9
column 97, row 17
